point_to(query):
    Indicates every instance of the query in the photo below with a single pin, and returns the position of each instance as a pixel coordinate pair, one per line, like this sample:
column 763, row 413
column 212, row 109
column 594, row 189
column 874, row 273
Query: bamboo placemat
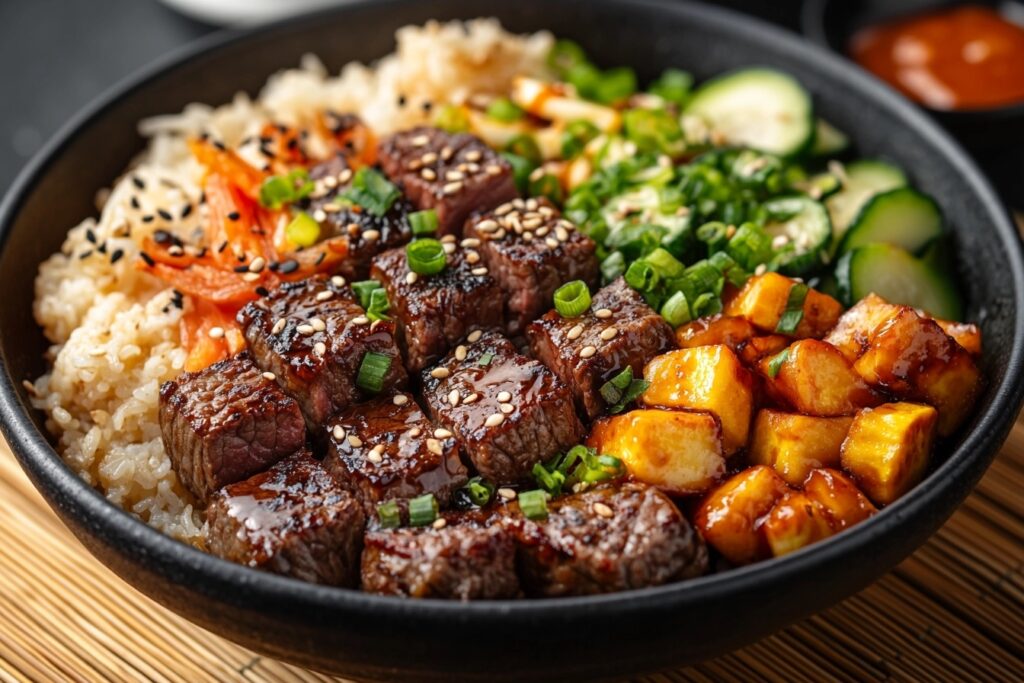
column 952, row 611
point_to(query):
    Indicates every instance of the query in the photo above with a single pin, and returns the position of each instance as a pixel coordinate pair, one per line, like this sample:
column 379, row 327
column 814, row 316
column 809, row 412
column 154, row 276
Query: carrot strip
column 229, row 165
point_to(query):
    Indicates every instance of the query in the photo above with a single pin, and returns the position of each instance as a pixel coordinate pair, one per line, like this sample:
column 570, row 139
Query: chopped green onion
column 364, row 291
column 546, row 186
column 653, row 130
column 526, row 147
column 372, row 191
column 389, row 514
column 426, row 256
column 480, row 491
column 615, row 85
column 372, row 370
column 276, row 191
column 613, row 266
column 707, row 304
column 423, row 510
column 504, row 109
column 379, row 305
column 521, row 170
column 642, row 276
column 622, row 389
column 572, row 299
column 673, row 86
column 676, row 310
column 303, row 231
column 534, row 504
column 750, row 246
column 794, row 312
column 602, row 468
column 565, row 55
column 576, row 136
column 775, row 364
column 549, row 480
column 667, row 265
column 423, row 222
column 452, row 118
column 485, row 359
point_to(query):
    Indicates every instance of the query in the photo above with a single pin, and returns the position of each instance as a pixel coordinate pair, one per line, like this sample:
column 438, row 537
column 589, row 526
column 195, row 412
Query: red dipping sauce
column 963, row 58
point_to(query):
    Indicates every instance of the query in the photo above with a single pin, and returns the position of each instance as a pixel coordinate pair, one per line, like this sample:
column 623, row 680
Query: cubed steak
column 434, row 312
column 365, row 233
column 454, row 174
column 293, row 520
column 508, row 411
column 606, row 539
column 225, row 423
column 620, row 330
column 313, row 335
column 387, row 448
column 531, row 251
column 463, row 560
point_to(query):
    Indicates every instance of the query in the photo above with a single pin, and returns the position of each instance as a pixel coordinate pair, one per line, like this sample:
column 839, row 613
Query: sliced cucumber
column 820, row 185
column 864, row 179
column 828, row 139
column 759, row 108
column 903, row 217
column 807, row 229
column 899, row 277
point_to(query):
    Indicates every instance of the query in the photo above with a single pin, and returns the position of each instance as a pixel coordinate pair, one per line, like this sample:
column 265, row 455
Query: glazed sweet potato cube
column 730, row 518
column 853, row 331
column 720, row 329
column 678, row 451
column 815, row 378
column 704, row 378
column 887, row 448
column 796, row 444
column 964, row 334
column 763, row 300
column 913, row 359
column 796, row 521
column 757, row 348
column 839, row 497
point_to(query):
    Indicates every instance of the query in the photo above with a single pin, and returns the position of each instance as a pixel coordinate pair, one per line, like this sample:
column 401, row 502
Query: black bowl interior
column 581, row 638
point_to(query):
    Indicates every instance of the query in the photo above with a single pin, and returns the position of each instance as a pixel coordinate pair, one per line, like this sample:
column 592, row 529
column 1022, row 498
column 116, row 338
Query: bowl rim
column 177, row 562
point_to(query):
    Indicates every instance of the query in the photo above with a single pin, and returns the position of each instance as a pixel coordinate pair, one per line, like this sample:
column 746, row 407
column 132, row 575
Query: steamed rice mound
column 114, row 331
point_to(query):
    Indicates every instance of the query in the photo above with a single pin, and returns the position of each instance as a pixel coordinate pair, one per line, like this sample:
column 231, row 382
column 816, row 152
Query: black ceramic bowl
column 370, row 637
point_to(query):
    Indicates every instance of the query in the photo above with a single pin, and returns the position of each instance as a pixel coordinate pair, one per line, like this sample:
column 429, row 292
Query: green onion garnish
column 614, row 85
column 521, row 170
column 750, row 246
column 389, row 514
column 653, row 130
column 426, row 256
column 423, row 510
column 379, row 305
column 794, row 312
column 534, row 504
column 372, row 191
column 576, row 136
column 547, row 186
column 526, row 147
column 278, row 190
column 372, row 370
column 452, row 118
column 549, row 480
column 572, row 299
column 676, row 310
column 504, row 109
column 775, row 364
column 485, row 359
column 423, row 222
column 479, row 490
column 622, row 389
column 642, row 276
column 613, row 266
column 363, row 290
column 601, row 468
column 303, row 231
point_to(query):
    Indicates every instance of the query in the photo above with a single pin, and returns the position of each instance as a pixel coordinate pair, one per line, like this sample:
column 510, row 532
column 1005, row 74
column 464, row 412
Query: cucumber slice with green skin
column 899, row 277
column 760, row 108
column 864, row 179
column 828, row 139
column 807, row 230
column 903, row 217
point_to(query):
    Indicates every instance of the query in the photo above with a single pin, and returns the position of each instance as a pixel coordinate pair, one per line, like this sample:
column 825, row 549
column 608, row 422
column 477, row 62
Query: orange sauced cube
column 720, row 329
column 853, row 331
column 839, row 497
column 763, row 301
column 794, row 522
column 813, row 377
column 794, row 444
column 731, row 516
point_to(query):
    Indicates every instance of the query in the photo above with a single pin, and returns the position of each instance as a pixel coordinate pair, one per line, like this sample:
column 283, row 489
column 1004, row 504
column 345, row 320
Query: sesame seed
column 482, row 270
column 460, row 352
column 507, row 493
column 331, row 207
column 324, row 295
column 527, row 236
column 446, row 153
column 434, row 446
column 452, row 188
column 360, row 320
column 278, row 326
column 319, row 348
column 561, row 233
column 442, row 434
column 411, row 277
column 470, row 243
column 305, row 329
column 428, row 158
column 506, row 408
column 449, row 247
column 428, row 174
column 330, row 182
column 487, row 225
column 603, row 313
column 473, row 155
column 504, row 397
column 454, row 175
column 338, row 432
column 251, row 277
column 474, row 336
column 338, row 281
column 439, row 373
column 440, row 523
column 575, row 332
column 494, row 420
column 551, row 242
column 448, row 239
column 374, row 457
column 216, row 332
column 355, row 441
column 415, row 431
column 503, row 209
column 533, row 223
column 234, row 216
column 587, row 351
column 499, row 234
column 780, row 241
column 472, row 257
column 493, row 169
column 453, row 397
column 257, row 264
column 318, row 324
column 175, row 250
column 269, row 375
column 371, row 235
column 761, row 269
column 609, row 333
column 420, row 140
column 603, row 510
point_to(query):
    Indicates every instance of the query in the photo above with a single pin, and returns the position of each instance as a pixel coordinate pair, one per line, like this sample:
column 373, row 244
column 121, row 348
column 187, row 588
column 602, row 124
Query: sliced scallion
column 389, row 514
column 547, row 186
column 534, row 504
column 572, row 299
column 372, row 370
column 676, row 310
column 776, row 363
column 372, row 191
column 794, row 312
column 363, row 290
column 504, row 109
column 480, row 491
column 303, row 231
column 622, row 389
column 423, row 222
column 426, row 256
column 379, row 305
column 423, row 510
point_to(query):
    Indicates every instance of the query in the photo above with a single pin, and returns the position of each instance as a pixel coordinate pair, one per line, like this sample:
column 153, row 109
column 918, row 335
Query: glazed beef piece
column 463, row 561
column 366, row 234
column 434, row 312
column 508, row 411
column 531, row 251
column 292, row 519
column 387, row 448
column 607, row 539
column 452, row 174
column 313, row 335
column 619, row 330
column 225, row 423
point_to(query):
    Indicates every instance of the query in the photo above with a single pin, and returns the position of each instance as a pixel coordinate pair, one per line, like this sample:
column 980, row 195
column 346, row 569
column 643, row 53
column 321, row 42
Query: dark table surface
column 60, row 54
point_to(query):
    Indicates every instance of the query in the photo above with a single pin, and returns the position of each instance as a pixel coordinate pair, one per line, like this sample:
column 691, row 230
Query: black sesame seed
column 401, row 100
column 293, row 143
column 202, row 197
column 148, row 218
column 186, row 211
column 273, row 266
column 201, row 253
column 321, row 257
column 116, row 256
column 135, row 202
column 219, row 145
column 289, row 266
column 138, row 182
column 90, row 235
column 165, row 214
column 427, row 105
column 85, row 254
column 262, row 291
column 241, row 269
column 162, row 237
column 234, row 215
column 222, row 246
column 147, row 258
column 102, row 248
column 266, row 152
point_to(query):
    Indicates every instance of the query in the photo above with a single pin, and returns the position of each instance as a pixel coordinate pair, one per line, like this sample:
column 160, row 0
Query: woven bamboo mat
column 952, row 611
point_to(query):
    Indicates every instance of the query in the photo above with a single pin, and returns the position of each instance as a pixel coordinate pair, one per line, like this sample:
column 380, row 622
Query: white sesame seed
column 507, row 493
column 269, row 375
column 428, row 174
column 319, row 215
column 374, row 457
column 780, row 241
column 355, row 441
column 472, row 257
column 504, row 397
column 442, row 433
column 460, row 352
column 175, row 250
column 603, row 510
column 587, row 351
column 452, row 188
column 257, row 264
column 305, row 329
column 216, row 332
column 482, row 270
column 434, row 446
column 470, row 243
column 474, row 336
column 278, row 326
column 251, row 277
column 575, row 332
column 439, row 373
column 603, row 313
column 371, row 235
column 494, row 420
column 561, row 233
column 473, row 155
column 324, row 295
column 420, row 140
column 506, row 408
column 338, row 281
column 498, row 234
column 415, row 431
column 440, row 523
column 449, row 247
column 345, row 175
column 453, row 397
column 609, row 333
column 360, row 320
column 493, row 169
column 472, row 398
column 454, row 175
column 330, row 182
column 400, row 399
column 761, row 269
column 533, row 223
column 338, row 432
column 503, row 209
column 448, row 239
column 551, row 242
column 527, row 236
column 318, row 324
column 446, row 153
column 319, row 348
column 411, row 277
column 487, row 225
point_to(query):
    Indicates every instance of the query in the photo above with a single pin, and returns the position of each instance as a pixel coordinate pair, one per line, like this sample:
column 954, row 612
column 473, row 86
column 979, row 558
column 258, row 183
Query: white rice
column 115, row 338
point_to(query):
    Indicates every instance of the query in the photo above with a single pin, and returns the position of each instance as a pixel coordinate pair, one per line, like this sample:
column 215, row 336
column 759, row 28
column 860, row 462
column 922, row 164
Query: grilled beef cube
column 313, row 335
column 436, row 311
column 292, row 519
column 452, row 174
column 225, row 423
column 607, row 539
column 387, row 448
column 463, row 560
column 508, row 411
column 366, row 234
column 531, row 251
column 619, row 330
